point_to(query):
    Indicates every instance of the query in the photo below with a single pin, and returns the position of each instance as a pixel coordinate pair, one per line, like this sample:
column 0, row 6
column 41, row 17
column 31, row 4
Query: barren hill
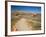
column 33, row 20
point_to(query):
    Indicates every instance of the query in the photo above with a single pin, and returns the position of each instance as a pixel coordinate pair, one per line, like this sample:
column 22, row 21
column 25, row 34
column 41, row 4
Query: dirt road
column 22, row 25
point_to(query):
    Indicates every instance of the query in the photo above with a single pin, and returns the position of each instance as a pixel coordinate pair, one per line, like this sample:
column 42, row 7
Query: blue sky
column 33, row 9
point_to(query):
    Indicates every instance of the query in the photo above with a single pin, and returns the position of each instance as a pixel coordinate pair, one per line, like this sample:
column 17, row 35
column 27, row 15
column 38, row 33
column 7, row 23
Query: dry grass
column 35, row 22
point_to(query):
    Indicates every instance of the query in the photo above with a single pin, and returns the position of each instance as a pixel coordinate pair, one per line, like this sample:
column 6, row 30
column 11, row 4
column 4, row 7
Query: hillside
column 33, row 20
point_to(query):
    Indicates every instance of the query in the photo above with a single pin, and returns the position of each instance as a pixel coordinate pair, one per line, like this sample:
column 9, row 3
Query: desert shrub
column 36, row 26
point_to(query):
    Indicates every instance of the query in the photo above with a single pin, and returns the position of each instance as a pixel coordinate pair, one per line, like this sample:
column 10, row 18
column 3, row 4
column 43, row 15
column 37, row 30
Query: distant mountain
column 23, row 13
column 26, row 11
